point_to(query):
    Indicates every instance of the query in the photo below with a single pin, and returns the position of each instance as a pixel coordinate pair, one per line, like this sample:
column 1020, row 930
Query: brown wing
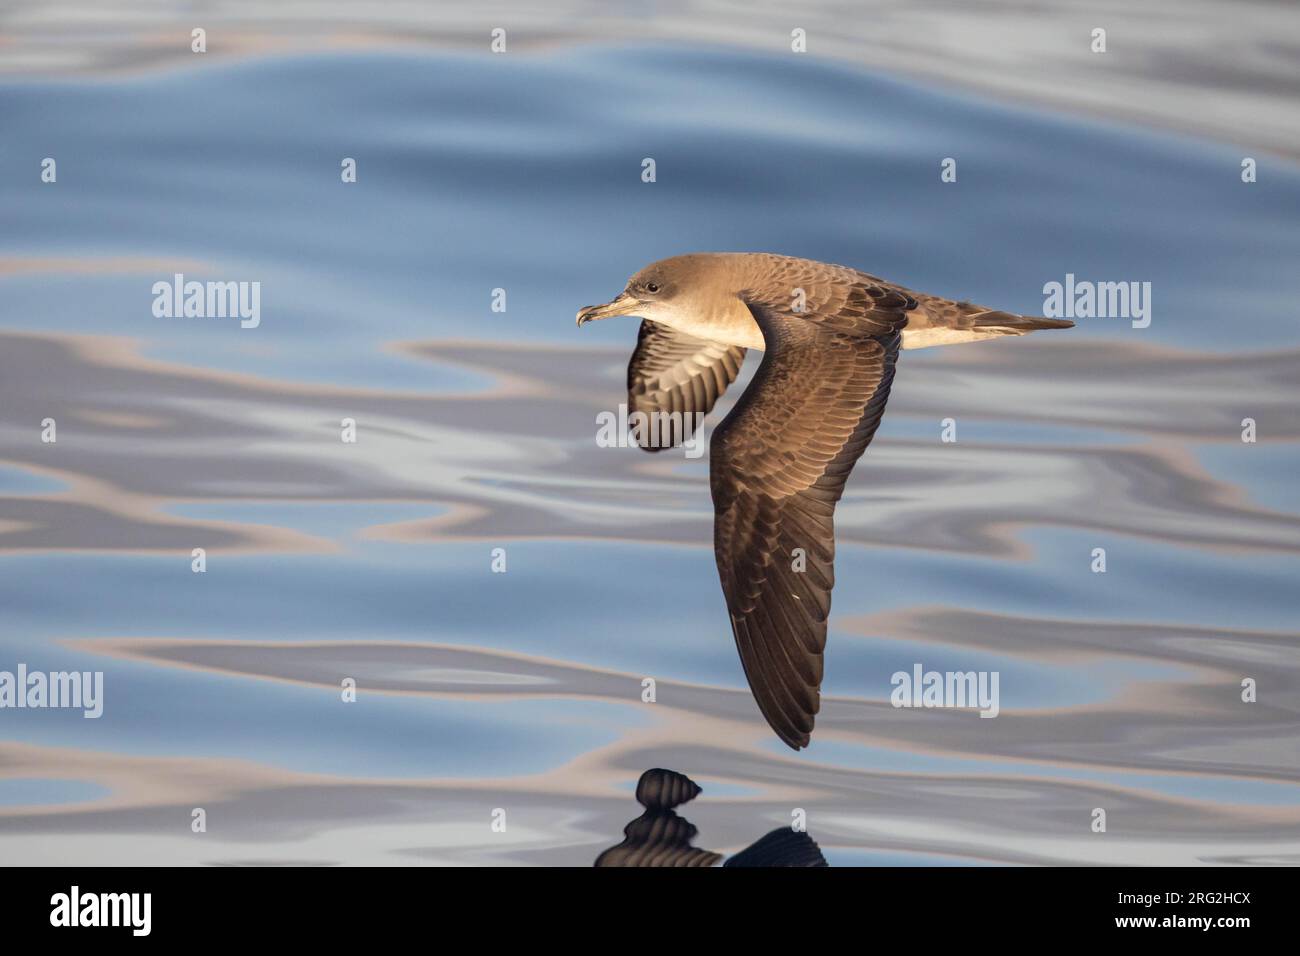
column 658, row 838
column 782, row 847
column 778, row 464
column 672, row 372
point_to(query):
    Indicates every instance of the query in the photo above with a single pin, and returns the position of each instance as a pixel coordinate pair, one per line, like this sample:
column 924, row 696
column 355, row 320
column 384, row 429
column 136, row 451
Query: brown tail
column 939, row 321
column 1007, row 323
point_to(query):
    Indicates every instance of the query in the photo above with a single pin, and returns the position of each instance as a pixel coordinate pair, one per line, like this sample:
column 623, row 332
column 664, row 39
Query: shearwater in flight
column 778, row 462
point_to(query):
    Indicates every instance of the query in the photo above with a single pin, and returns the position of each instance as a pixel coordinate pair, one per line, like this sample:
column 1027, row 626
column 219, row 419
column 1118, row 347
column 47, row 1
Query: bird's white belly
column 927, row 338
column 734, row 325
column 752, row 337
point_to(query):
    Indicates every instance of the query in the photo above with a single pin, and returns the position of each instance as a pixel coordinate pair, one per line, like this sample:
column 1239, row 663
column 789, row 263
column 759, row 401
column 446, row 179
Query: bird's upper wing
column 778, row 464
column 673, row 372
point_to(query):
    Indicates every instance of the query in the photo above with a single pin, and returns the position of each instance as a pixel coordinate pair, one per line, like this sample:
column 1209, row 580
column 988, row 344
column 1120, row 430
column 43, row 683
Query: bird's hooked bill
column 623, row 305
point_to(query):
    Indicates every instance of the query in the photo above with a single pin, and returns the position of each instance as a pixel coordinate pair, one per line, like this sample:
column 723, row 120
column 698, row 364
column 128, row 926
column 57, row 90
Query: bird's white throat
column 728, row 321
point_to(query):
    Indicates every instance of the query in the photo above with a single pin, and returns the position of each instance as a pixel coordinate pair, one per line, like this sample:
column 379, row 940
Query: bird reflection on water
column 659, row 837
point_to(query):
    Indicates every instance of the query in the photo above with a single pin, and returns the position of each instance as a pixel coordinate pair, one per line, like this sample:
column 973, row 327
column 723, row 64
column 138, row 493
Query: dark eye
column 652, row 287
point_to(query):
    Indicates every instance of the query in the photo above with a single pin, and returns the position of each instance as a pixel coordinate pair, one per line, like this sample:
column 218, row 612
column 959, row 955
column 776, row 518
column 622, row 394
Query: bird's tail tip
column 1006, row 323
column 1037, row 322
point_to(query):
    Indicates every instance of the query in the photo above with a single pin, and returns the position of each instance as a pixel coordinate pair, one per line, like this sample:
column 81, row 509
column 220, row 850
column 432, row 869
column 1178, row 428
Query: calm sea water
column 521, row 691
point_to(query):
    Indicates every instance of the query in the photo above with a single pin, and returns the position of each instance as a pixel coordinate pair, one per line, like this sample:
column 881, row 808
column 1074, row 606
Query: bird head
column 660, row 290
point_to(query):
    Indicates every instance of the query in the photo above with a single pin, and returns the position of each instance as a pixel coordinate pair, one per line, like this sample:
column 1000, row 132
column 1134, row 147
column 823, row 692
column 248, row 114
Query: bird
column 662, row 838
column 778, row 462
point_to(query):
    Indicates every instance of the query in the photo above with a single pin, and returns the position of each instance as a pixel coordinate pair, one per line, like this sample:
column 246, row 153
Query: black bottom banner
column 307, row 905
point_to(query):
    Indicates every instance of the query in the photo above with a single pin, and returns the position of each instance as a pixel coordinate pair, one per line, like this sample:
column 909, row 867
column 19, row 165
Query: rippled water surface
column 522, row 690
